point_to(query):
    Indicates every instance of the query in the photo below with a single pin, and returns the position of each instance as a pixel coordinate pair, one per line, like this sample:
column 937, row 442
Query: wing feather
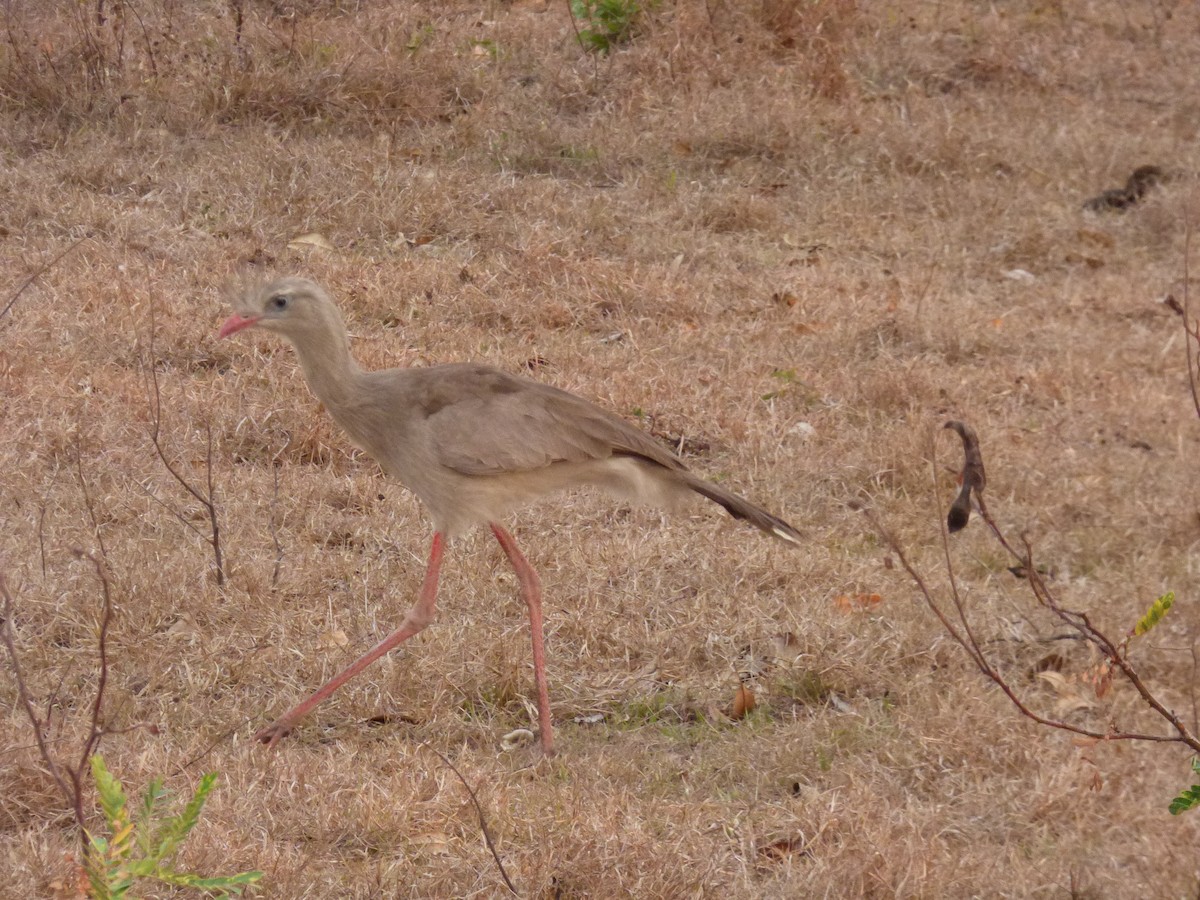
column 486, row 422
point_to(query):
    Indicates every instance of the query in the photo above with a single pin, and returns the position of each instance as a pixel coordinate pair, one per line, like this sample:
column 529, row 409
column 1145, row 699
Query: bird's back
column 472, row 441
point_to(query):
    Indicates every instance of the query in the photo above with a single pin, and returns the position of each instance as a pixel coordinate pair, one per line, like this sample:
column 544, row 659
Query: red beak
column 236, row 323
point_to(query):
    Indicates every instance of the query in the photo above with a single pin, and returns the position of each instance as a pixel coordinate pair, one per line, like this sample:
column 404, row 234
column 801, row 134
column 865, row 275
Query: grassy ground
column 792, row 235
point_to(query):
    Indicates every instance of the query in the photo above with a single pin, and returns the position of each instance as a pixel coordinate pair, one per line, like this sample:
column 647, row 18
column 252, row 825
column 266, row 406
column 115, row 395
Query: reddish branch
column 957, row 624
column 206, row 498
column 68, row 778
column 45, row 267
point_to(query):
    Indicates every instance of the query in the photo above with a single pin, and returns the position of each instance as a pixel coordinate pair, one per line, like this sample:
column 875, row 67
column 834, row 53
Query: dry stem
column 1114, row 652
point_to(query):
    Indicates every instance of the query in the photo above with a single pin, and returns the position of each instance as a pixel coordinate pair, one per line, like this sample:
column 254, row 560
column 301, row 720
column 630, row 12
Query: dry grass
column 789, row 213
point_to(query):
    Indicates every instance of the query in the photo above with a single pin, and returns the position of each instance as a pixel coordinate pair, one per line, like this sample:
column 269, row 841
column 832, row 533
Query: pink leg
column 531, row 592
column 418, row 617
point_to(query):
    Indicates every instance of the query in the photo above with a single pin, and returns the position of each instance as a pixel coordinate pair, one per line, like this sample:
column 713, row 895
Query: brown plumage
column 473, row 443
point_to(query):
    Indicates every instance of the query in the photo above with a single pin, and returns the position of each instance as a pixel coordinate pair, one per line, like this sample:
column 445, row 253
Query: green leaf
column 148, row 834
column 1187, row 799
column 1154, row 614
column 176, row 829
column 112, row 794
column 111, row 867
column 215, row 883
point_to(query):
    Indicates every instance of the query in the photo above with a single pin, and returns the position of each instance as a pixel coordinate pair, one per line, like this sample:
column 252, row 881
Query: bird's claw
column 273, row 733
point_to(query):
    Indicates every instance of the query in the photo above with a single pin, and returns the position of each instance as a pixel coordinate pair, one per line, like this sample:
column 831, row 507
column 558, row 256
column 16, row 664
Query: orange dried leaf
column 851, row 602
column 779, row 850
column 743, row 702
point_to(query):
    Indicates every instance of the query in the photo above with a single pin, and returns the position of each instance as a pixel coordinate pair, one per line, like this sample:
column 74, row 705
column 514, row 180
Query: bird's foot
column 272, row 734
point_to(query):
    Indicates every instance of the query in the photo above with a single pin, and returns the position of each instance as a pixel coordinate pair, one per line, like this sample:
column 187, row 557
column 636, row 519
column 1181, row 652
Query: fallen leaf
column 841, row 705
column 786, row 646
column 1100, row 677
column 743, row 702
column 1092, row 262
column 433, row 842
column 1069, row 700
column 184, row 628
column 1051, row 662
column 779, row 850
column 386, row 718
column 972, row 477
column 851, row 602
column 310, row 241
column 520, row 737
column 333, row 640
column 1099, row 238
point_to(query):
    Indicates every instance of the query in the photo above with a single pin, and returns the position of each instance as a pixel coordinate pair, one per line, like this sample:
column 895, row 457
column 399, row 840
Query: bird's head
column 293, row 308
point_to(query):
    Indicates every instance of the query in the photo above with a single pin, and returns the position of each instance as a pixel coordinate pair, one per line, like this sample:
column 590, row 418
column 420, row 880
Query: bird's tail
column 740, row 508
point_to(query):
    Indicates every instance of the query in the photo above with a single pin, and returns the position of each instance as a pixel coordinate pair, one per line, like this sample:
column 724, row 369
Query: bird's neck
column 329, row 369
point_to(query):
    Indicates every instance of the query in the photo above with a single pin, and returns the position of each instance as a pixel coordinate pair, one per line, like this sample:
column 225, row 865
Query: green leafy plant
column 143, row 846
column 604, row 24
column 1154, row 614
column 1189, row 797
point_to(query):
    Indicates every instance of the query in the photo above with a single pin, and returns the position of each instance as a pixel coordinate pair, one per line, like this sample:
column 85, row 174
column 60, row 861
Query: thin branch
column 973, row 480
column 1190, row 331
column 218, row 556
column 97, row 730
column 38, row 724
column 579, row 39
column 87, row 497
column 207, row 499
column 483, row 826
column 38, row 273
column 273, row 526
column 183, row 520
column 41, row 536
column 991, row 673
column 1114, row 653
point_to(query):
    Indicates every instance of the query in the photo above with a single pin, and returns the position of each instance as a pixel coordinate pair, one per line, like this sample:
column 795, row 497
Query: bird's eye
column 279, row 301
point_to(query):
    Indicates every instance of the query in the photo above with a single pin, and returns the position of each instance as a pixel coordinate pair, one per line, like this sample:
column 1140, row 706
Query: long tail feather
column 740, row 508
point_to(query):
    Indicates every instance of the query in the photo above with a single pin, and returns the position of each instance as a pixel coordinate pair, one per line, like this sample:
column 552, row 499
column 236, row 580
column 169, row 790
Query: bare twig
column 68, row 778
column 96, row 730
column 41, row 535
column 45, row 267
column 1191, row 331
column 23, row 696
column 1114, row 652
column 483, row 826
column 206, row 498
column 579, row 40
column 273, row 525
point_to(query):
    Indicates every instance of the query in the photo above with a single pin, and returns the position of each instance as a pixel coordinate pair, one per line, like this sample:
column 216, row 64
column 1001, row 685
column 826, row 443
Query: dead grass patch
column 786, row 233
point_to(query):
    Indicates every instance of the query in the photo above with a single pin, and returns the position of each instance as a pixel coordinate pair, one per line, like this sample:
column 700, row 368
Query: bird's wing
column 486, row 422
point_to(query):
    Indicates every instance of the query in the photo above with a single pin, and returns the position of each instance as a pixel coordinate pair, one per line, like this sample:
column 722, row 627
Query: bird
column 473, row 443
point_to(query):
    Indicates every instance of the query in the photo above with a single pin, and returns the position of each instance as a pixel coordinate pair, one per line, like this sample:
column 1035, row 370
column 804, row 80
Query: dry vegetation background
column 778, row 231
